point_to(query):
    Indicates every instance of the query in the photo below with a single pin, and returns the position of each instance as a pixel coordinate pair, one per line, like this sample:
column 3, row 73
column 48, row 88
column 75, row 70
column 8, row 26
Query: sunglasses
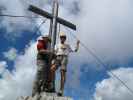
column 64, row 37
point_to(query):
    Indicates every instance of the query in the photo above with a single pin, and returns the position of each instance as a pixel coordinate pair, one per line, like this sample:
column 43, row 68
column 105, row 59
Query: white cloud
column 112, row 89
column 105, row 25
column 11, row 54
column 3, row 65
column 13, row 24
column 19, row 82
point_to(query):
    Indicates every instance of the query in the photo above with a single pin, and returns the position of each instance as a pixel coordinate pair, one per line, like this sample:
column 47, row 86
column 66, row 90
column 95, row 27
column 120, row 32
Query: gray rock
column 45, row 96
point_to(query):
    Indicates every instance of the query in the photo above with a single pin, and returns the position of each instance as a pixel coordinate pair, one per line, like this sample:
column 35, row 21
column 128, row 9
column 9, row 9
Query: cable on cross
column 38, row 28
column 15, row 16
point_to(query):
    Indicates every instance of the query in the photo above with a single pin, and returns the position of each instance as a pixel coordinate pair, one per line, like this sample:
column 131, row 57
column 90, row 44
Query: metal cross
column 54, row 20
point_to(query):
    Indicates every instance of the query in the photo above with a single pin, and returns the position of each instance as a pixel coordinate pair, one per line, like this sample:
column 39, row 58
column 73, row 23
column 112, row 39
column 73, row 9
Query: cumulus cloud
column 15, row 26
column 105, row 26
column 3, row 65
column 19, row 82
column 11, row 54
column 112, row 89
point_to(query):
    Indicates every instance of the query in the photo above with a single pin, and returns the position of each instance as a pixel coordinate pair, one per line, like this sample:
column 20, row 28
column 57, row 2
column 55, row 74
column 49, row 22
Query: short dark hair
column 47, row 37
column 63, row 37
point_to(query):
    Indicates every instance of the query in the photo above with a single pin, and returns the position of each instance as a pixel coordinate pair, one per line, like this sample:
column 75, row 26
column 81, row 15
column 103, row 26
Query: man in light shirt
column 62, row 51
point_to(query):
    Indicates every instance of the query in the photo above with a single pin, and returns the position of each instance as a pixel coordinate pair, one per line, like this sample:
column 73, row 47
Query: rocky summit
column 45, row 96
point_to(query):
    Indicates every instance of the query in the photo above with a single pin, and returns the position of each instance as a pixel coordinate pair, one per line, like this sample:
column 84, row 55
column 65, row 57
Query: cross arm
column 66, row 23
column 50, row 16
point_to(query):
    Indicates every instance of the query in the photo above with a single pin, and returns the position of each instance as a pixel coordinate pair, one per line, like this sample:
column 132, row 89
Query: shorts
column 61, row 61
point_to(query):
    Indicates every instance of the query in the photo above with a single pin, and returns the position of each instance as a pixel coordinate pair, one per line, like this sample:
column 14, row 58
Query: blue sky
column 104, row 26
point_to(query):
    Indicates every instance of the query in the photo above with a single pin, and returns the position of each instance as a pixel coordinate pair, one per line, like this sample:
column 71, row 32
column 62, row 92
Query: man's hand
column 77, row 47
column 52, row 52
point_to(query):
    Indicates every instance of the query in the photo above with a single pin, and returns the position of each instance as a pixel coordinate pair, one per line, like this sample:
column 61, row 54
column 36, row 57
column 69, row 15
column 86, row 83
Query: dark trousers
column 41, row 77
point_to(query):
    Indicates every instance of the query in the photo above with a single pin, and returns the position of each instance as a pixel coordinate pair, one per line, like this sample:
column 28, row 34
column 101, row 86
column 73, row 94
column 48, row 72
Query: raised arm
column 76, row 48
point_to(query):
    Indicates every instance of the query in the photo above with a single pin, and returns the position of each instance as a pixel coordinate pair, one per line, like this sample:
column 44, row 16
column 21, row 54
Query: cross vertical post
column 53, row 30
column 54, row 24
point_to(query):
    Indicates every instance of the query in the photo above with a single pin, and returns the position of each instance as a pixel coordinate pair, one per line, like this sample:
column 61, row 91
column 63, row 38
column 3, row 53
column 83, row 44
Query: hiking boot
column 60, row 93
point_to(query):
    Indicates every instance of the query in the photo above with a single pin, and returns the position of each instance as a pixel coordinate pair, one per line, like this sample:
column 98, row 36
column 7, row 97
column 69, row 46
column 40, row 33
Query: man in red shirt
column 41, row 81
